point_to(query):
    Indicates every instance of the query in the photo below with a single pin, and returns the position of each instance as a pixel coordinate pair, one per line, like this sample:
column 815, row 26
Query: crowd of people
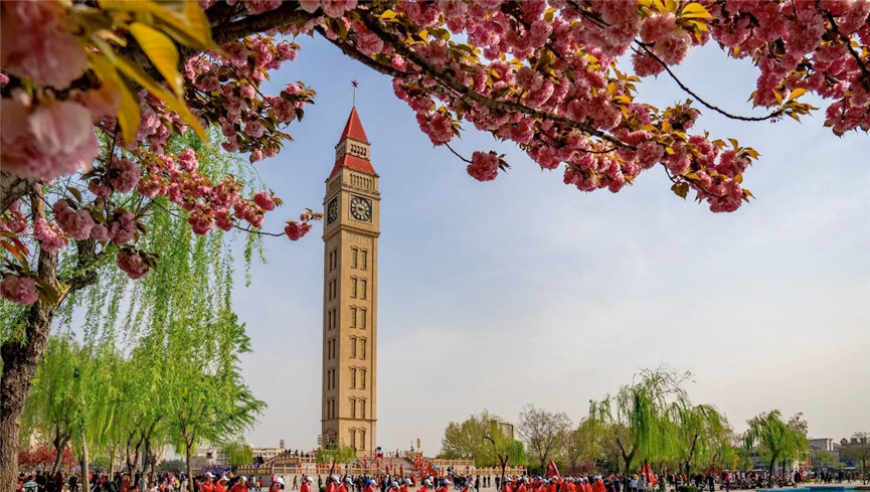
column 229, row 482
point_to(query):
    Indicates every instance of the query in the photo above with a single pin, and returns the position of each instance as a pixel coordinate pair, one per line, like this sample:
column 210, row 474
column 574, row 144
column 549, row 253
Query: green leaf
column 681, row 189
column 75, row 192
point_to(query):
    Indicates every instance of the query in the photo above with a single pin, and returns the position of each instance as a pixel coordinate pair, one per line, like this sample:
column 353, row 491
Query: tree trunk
column 59, row 445
column 86, row 484
column 187, row 447
column 112, row 462
column 20, row 360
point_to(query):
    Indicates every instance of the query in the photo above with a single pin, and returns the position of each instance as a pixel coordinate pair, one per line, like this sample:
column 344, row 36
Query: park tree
column 638, row 418
column 774, row 440
column 335, row 453
column 237, row 453
column 859, row 452
column 465, row 440
column 701, row 432
column 53, row 396
column 582, row 444
column 91, row 91
column 484, row 438
column 543, row 432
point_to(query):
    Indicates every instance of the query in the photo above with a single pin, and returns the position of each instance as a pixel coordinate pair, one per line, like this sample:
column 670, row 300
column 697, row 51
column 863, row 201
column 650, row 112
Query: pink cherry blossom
column 56, row 138
column 124, row 174
column 77, row 224
column 295, row 230
column 132, row 264
column 124, row 229
column 260, row 6
column 14, row 220
column 484, row 166
column 50, row 237
column 264, row 200
column 20, row 290
column 38, row 43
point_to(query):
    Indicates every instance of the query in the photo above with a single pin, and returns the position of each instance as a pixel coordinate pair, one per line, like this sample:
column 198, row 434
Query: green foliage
column 158, row 361
column 482, row 438
column 653, row 419
column 237, row 453
column 775, row 440
column 687, row 488
column 335, row 453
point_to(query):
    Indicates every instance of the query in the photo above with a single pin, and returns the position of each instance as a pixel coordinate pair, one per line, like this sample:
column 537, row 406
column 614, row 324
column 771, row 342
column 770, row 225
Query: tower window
column 362, row 439
column 365, row 258
column 353, row 346
column 352, row 378
column 362, row 379
column 353, row 408
column 364, row 287
column 353, row 287
column 362, row 409
column 353, row 257
column 353, row 317
column 363, row 348
column 353, row 439
column 363, row 318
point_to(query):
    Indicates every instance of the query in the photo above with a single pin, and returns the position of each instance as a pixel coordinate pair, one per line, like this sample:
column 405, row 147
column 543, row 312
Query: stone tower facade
column 350, row 293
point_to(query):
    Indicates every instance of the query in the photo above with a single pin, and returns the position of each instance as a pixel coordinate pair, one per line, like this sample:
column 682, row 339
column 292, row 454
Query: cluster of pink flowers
column 14, row 220
column 556, row 59
column 296, row 229
column 246, row 118
column 484, row 166
column 46, row 140
column 21, row 290
column 132, row 263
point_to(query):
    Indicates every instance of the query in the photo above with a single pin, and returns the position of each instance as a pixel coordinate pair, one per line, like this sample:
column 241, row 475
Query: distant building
column 267, row 453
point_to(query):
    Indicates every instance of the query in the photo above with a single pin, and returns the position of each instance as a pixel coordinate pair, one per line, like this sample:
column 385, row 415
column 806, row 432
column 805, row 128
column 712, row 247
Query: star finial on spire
column 355, row 84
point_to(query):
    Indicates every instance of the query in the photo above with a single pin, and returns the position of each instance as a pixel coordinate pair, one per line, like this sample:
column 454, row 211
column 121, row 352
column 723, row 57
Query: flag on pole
column 553, row 470
column 646, row 470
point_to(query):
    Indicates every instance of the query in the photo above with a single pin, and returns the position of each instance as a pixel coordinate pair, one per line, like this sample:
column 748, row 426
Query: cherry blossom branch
column 499, row 106
column 685, row 88
column 861, row 63
column 248, row 230
column 457, row 154
column 288, row 13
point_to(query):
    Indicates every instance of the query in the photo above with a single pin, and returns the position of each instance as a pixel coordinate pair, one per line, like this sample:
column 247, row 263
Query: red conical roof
column 354, row 128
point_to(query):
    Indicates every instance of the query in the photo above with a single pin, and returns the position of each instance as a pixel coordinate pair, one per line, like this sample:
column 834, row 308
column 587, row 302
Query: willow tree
column 773, row 439
column 117, row 389
column 49, row 414
column 638, row 419
column 701, row 433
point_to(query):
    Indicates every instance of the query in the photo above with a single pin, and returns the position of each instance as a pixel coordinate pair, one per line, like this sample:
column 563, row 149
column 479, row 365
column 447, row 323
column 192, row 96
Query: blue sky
column 524, row 290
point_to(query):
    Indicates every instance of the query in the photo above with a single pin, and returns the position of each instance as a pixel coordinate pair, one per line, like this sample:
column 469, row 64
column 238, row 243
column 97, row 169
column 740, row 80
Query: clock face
column 332, row 211
column 361, row 208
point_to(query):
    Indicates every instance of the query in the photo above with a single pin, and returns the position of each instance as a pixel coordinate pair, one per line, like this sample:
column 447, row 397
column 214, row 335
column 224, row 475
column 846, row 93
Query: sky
column 524, row 290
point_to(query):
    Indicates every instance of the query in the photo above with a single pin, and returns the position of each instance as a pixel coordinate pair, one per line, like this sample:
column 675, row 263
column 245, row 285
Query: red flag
column 646, row 470
column 553, row 470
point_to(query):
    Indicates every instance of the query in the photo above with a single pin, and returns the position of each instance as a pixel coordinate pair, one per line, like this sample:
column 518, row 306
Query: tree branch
column 287, row 14
column 444, row 78
column 685, row 88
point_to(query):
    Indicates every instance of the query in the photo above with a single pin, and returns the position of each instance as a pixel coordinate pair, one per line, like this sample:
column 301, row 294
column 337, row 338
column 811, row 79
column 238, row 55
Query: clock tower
column 350, row 294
